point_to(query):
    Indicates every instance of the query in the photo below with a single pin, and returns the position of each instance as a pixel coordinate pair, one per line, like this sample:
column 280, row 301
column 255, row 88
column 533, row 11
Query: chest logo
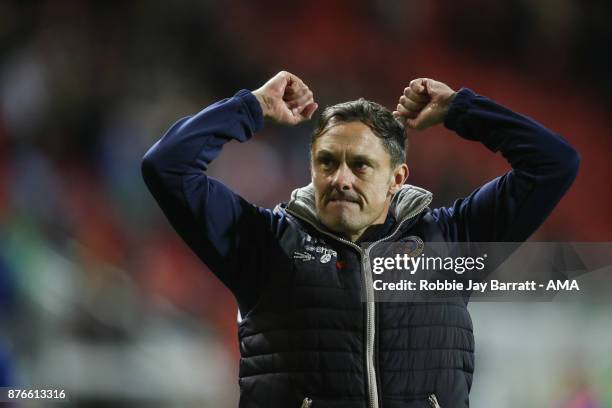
column 303, row 256
column 325, row 258
column 417, row 246
column 311, row 252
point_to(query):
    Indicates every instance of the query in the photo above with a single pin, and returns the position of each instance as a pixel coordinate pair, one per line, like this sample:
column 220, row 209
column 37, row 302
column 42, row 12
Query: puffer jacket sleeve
column 509, row 208
column 223, row 229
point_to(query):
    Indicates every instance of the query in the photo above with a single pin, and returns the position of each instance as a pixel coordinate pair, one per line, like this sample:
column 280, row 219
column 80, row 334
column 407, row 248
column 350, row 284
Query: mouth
column 342, row 201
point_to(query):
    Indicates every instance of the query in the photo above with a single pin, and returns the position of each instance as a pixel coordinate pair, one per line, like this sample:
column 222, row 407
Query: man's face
column 353, row 178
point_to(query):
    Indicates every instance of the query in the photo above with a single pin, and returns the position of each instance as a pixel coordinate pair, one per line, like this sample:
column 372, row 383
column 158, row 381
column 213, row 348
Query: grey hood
column 406, row 203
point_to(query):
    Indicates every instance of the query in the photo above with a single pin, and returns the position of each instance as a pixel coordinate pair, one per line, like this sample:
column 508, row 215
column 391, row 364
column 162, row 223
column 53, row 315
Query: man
column 297, row 271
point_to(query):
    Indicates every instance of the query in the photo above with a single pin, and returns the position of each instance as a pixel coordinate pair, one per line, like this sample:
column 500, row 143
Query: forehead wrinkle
column 355, row 137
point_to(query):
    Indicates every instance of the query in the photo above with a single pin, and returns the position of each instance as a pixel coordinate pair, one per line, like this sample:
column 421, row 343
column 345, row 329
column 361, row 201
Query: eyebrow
column 364, row 158
column 324, row 153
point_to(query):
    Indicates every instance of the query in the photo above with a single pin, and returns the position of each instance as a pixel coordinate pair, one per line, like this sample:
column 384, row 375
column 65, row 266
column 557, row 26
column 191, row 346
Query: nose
column 343, row 178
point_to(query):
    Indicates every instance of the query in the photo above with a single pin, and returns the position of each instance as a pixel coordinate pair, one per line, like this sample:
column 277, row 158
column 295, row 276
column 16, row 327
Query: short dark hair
column 376, row 117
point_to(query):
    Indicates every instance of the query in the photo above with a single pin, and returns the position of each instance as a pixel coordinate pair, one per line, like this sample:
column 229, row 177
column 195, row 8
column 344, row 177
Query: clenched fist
column 286, row 99
column 424, row 103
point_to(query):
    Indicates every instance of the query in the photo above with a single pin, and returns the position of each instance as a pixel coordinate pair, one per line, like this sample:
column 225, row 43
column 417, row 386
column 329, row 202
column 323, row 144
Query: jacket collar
column 406, row 203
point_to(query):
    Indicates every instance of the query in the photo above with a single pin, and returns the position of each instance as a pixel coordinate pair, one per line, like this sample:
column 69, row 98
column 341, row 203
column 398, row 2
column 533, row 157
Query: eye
column 325, row 162
column 360, row 165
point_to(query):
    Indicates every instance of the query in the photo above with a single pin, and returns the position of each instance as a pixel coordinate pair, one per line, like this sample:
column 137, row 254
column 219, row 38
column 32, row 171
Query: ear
column 399, row 177
column 310, row 167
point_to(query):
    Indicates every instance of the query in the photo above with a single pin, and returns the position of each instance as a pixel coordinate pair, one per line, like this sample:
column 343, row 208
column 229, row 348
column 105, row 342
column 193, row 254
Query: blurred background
column 99, row 296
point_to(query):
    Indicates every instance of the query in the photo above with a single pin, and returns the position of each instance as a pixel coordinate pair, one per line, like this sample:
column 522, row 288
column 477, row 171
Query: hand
column 425, row 103
column 286, row 99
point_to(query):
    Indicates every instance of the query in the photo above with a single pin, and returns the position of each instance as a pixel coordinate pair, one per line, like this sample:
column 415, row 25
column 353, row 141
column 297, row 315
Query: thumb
column 424, row 87
column 309, row 110
column 419, row 86
column 280, row 82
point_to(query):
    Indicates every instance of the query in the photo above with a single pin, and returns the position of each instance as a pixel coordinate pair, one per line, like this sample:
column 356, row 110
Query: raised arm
column 222, row 228
column 511, row 207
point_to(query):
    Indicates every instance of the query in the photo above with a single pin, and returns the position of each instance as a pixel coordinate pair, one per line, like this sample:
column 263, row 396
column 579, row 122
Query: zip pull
column 433, row 401
column 307, row 403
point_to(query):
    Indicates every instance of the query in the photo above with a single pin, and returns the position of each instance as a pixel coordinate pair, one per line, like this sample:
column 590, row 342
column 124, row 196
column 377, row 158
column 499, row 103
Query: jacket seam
column 296, row 351
column 467, row 350
column 427, row 325
column 461, row 306
column 326, row 287
column 289, row 372
column 429, row 369
column 300, row 329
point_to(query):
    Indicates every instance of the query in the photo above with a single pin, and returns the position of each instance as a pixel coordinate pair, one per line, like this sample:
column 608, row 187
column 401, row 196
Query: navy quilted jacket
column 306, row 337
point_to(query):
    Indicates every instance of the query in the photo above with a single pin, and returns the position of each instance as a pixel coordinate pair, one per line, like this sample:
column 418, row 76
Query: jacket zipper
column 370, row 304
